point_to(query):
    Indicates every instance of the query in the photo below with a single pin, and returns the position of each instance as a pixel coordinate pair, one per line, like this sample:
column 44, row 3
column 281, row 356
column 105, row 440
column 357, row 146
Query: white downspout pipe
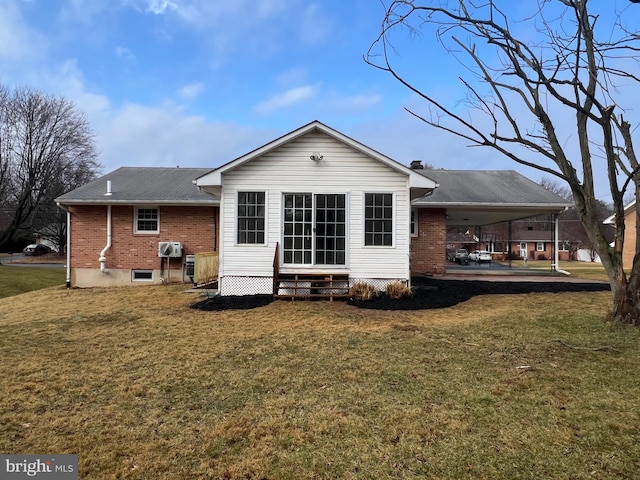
column 103, row 258
column 68, row 249
column 68, row 279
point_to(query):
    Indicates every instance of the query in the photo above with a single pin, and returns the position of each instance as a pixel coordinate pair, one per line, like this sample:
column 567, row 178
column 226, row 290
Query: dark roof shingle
column 143, row 185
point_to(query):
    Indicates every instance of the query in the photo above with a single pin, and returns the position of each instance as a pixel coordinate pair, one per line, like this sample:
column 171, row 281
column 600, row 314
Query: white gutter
column 103, row 259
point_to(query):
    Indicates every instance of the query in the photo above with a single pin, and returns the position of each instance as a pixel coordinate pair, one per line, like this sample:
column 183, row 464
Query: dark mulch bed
column 233, row 302
column 436, row 293
column 428, row 293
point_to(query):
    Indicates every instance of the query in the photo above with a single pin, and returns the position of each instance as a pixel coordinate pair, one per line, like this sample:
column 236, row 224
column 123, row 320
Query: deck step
column 294, row 286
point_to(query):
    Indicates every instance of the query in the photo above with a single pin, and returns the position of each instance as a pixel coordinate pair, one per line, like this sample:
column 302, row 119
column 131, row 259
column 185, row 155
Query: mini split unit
column 170, row 249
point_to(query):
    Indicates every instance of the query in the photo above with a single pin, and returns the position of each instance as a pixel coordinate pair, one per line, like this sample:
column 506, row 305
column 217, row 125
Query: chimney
column 108, row 189
column 416, row 165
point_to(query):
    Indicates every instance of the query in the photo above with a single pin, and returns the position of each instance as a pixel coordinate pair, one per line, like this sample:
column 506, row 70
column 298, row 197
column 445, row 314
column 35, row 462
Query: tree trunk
column 626, row 303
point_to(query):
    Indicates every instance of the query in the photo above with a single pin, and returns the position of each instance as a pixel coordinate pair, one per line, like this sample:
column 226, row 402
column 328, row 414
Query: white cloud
column 315, row 26
column 18, row 42
column 286, row 99
column 125, row 54
column 191, row 91
column 356, row 103
column 151, row 136
column 159, row 7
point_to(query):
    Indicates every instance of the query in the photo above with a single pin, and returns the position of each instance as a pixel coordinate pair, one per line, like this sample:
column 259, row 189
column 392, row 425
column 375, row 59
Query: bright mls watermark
column 49, row 467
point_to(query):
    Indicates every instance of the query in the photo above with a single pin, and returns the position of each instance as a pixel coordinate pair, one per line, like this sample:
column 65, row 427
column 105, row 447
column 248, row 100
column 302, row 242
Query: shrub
column 398, row 290
column 362, row 291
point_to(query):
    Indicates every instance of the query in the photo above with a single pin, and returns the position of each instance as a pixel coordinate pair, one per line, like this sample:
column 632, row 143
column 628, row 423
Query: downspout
column 103, row 259
column 68, row 283
column 68, row 279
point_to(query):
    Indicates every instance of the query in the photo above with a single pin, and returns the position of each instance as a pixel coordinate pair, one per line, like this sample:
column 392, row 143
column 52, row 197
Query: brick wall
column 194, row 227
column 429, row 248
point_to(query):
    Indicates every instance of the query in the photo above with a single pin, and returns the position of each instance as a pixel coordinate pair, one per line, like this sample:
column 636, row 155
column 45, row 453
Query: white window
column 414, row 222
column 378, row 219
column 540, row 246
column 251, row 215
column 142, row 275
column 564, row 246
column 146, row 220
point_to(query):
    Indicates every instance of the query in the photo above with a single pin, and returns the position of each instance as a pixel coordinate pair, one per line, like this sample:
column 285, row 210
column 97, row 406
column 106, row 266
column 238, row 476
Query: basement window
column 141, row 275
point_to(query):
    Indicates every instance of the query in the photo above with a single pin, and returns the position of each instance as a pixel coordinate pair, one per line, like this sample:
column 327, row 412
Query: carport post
column 555, row 242
column 509, row 243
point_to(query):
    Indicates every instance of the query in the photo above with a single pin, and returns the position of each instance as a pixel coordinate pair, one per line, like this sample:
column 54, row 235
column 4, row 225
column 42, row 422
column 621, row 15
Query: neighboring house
column 630, row 232
column 537, row 245
column 308, row 209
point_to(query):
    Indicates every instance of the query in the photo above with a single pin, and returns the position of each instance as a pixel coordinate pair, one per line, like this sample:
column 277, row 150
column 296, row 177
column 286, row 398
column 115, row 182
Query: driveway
column 498, row 271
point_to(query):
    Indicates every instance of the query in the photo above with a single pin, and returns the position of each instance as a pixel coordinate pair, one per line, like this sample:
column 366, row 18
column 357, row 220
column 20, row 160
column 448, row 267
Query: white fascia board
column 612, row 219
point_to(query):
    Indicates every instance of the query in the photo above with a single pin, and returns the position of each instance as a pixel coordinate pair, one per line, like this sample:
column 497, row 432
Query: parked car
column 461, row 256
column 480, row 256
column 36, row 249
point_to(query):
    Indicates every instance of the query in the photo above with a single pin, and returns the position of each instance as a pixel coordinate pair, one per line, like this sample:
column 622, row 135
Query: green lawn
column 586, row 270
column 16, row 280
column 141, row 387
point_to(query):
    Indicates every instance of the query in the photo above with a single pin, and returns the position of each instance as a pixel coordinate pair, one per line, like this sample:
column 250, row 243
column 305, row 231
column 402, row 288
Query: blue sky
column 197, row 83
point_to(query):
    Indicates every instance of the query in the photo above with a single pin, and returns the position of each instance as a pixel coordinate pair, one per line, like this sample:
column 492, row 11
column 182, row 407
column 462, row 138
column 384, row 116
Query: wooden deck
column 306, row 286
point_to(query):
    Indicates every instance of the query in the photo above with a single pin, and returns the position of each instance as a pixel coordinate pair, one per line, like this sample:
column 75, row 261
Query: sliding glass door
column 314, row 230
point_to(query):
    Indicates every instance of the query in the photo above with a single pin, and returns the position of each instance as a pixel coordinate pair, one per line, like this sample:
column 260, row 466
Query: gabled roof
column 143, row 186
column 417, row 181
column 627, row 210
column 482, row 197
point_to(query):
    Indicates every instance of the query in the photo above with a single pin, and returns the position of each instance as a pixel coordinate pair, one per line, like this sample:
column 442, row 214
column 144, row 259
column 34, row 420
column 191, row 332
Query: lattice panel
column 230, row 285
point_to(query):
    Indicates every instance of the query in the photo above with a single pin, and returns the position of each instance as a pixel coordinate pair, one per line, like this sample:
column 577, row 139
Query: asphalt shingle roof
column 150, row 185
column 487, row 187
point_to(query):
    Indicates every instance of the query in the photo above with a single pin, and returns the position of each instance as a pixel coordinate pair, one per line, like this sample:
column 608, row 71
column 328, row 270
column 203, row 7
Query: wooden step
column 312, row 286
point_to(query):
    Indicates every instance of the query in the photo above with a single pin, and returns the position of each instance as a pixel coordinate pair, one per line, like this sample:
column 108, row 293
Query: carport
column 477, row 198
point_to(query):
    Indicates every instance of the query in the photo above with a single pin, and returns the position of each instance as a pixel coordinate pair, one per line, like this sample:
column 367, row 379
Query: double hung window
column 378, row 219
column 146, row 220
column 251, row 215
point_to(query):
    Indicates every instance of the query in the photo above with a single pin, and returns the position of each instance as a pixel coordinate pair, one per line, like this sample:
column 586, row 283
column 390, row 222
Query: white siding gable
column 342, row 170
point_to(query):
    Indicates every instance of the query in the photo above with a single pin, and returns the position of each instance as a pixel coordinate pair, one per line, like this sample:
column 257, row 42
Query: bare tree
column 46, row 149
column 557, row 187
column 545, row 97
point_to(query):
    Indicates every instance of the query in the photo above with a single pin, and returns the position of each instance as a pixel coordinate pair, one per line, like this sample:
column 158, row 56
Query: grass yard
column 139, row 385
column 586, row 270
column 17, row 280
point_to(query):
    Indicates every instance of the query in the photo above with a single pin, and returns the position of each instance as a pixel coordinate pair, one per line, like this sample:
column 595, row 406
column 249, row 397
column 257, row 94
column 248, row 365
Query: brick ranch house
column 313, row 205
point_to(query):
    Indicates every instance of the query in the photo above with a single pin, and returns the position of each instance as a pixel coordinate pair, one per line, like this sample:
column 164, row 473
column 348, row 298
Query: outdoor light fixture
column 316, row 157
